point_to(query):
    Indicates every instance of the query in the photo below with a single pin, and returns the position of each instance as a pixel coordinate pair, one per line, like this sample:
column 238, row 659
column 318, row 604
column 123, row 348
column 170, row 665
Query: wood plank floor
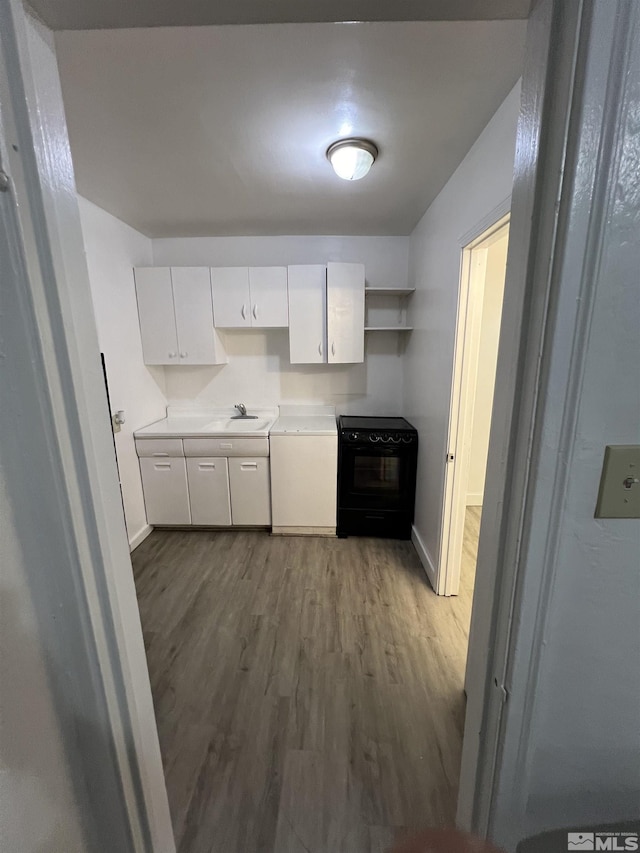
column 308, row 691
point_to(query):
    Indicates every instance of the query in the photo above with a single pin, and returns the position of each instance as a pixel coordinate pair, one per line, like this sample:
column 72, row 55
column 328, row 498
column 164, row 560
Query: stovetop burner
column 374, row 424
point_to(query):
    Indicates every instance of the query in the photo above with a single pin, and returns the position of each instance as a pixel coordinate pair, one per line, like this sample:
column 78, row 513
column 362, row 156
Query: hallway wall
column 479, row 185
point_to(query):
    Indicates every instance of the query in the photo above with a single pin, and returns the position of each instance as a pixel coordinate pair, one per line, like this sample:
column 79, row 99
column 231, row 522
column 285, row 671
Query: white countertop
column 193, row 423
column 306, row 420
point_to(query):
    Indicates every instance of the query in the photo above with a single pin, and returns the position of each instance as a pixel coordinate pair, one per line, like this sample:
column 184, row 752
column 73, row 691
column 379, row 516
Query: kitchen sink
column 235, row 425
column 240, row 425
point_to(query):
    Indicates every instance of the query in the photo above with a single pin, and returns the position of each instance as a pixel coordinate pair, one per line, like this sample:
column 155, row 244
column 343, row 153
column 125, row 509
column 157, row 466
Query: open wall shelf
column 388, row 328
column 386, row 309
column 389, row 291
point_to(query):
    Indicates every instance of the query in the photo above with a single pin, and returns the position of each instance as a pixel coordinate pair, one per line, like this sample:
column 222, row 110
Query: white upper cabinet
column 231, row 300
column 268, row 292
column 176, row 316
column 246, row 297
column 157, row 316
column 198, row 341
column 345, row 313
column 307, row 314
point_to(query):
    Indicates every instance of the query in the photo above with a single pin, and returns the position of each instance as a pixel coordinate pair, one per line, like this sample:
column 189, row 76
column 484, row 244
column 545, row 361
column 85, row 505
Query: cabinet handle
column 248, row 466
column 184, row 354
column 159, row 453
column 333, row 347
column 255, row 312
column 243, row 311
column 203, row 465
column 172, row 355
column 225, row 445
column 320, row 349
column 162, row 466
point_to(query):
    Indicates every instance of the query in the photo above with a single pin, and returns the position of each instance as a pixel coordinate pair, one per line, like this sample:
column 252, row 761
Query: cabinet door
column 345, row 313
column 198, row 341
column 250, row 490
column 166, row 495
column 231, row 302
column 268, row 289
column 157, row 317
column 304, row 473
column 307, row 286
column 209, row 490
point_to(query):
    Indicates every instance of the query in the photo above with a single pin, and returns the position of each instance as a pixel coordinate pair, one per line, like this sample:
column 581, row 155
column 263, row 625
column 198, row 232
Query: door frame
column 543, row 171
column 129, row 794
column 473, row 260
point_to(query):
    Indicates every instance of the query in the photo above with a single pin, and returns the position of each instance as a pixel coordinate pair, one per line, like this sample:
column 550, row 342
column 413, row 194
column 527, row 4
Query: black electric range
column 377, row 460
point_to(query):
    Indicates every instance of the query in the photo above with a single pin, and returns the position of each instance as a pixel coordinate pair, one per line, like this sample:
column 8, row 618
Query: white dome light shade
column 352, row 158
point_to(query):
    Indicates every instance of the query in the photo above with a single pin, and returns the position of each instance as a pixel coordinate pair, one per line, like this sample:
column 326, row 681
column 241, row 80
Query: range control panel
column 378, row 437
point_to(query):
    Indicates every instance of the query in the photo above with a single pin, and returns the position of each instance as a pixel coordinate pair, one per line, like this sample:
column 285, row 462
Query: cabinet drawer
column 226, row 446
column 250, row 491
column 159, row 447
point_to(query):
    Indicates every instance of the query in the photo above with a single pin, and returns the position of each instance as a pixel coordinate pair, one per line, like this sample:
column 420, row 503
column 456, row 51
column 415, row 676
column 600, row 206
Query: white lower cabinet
column 184, row 486
column 209, row 490
column 303, row 482
column 250, row 490
column 166, row 494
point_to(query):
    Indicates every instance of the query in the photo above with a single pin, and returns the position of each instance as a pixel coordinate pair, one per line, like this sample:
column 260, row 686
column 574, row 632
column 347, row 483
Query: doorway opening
column 482, row 278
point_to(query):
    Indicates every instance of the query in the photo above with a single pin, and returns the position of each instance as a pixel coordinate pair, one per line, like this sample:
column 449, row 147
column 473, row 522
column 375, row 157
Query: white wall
column 75, row 763
column 481, row 183
column 113, row 249
column 570, row 742
column 38, row 805
column 487, row 359
column 259, row 371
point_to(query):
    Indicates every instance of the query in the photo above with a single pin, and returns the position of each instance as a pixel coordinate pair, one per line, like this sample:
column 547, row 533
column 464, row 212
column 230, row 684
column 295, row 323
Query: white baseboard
column 425, row 557
column 303, row 531
column 140, row 536
column 475, row 499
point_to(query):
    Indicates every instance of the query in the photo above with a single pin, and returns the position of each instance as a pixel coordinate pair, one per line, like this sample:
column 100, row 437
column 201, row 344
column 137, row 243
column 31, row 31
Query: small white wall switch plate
column 619, row 494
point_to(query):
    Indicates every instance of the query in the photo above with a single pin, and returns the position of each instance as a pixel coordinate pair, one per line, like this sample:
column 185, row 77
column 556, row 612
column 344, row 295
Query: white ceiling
column 100, row 14
column 223, row 130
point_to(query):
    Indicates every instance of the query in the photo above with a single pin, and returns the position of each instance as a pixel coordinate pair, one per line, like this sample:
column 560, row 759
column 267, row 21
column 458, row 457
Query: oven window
column 376, row 475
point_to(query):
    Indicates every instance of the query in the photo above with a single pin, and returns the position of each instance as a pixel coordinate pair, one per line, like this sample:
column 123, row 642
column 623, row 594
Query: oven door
column 374, row 477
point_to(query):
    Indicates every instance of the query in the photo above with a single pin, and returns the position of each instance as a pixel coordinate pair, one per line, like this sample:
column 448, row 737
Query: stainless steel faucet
column 242, row 413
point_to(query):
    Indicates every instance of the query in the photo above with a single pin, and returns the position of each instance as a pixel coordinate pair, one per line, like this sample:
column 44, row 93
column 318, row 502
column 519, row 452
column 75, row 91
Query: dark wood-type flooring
column 308, row 691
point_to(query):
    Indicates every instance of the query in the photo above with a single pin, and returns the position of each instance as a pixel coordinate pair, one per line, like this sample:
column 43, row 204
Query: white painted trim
column 553, row 35
column 462, row 398
column 128, row 797
column 424, row 557
column 467, row 343
column 140, row 536
column 490, row 221
column 598, row 43
column 474, row 498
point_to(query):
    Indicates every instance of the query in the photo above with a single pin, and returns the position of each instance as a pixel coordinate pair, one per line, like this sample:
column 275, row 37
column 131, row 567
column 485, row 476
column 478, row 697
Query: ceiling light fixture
column 352, row 158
